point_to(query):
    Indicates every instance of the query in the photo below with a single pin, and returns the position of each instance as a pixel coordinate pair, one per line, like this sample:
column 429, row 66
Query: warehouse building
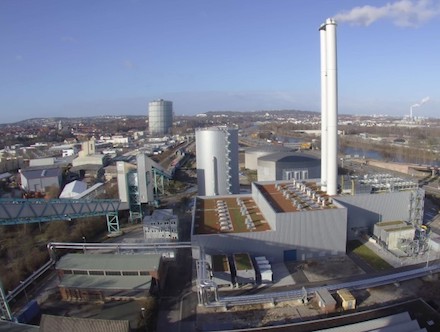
column 251, row 155
column 98, row 277
column 40, row 179
column 288, row 165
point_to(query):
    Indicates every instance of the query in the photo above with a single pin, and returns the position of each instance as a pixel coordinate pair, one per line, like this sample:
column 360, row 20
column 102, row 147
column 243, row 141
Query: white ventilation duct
column 329, row 105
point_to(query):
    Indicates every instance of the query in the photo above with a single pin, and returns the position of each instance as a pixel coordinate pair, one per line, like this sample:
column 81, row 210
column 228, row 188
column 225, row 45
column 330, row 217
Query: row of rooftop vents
column 387, row 182
column 224, row 217
column 245, row 213
column 302, row 196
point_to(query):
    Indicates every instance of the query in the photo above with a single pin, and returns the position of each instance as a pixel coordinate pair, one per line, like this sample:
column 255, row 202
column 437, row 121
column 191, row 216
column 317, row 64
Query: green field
column 368, row 256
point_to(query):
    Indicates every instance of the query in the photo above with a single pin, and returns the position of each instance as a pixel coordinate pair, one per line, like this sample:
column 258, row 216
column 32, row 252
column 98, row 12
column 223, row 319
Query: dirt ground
column 320, row 270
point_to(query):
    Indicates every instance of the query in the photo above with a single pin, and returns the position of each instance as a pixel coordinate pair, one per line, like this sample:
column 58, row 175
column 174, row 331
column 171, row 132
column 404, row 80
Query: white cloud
column 404, row 13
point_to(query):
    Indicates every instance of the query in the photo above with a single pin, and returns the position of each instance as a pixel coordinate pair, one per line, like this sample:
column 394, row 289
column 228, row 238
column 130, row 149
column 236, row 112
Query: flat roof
column 109, row 262
column 42, row 172
column 286, row 197
column 391, row 223
column 106, row 282
column 210, row 214
column 51, row 323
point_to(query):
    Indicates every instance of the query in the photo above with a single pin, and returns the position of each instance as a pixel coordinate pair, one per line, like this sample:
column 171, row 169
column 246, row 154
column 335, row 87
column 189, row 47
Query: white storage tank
column 217, row 161
column 160, row 117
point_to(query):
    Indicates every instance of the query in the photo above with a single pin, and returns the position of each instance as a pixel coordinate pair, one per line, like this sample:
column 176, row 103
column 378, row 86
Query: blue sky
column 105, row 57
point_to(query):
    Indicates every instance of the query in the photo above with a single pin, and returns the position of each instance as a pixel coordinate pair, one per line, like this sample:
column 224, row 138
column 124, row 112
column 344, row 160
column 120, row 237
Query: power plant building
column 160, row 117
column 251, row 155
column 287, row 166
column 217, row 161
column 295, row 220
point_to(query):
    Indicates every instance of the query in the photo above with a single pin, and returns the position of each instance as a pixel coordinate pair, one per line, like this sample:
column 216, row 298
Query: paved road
column 178, row 303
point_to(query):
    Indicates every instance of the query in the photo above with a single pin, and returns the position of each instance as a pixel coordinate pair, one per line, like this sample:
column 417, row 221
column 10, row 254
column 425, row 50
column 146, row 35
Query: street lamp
column 84, row 246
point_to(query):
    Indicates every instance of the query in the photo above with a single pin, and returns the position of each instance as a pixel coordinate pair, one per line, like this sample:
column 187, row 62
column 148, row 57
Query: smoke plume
column 424, row 100
column 404, row 13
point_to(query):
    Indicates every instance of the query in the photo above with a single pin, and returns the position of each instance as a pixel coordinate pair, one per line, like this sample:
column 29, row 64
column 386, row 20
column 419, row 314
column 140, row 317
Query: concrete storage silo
column 160, row 117
column 217, row 161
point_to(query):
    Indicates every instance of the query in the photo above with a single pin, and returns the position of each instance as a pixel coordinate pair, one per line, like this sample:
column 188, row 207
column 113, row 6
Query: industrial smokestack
column 330, row 100
column 323, row 41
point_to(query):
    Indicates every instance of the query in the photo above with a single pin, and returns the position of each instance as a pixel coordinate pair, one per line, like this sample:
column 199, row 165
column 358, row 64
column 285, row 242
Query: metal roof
column 106, row 282
column 5, row 175
column 73, row 188
column 289, row 157
column 41, row 173
column 17, row 327
column 109, row 262
column 59, row 323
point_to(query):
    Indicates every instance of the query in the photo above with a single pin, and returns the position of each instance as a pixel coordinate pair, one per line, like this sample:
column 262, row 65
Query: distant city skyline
column 92, row 58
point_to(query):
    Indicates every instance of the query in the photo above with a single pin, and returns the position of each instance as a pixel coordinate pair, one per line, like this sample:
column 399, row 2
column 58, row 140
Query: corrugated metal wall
column 364, row 210
column 313, row 234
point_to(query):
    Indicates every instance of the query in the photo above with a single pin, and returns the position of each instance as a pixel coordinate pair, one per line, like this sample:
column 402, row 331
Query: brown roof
column 70, row 324
column 208, row 217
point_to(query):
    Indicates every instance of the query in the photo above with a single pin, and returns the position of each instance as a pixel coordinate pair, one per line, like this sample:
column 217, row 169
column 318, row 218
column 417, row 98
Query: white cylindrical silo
column 332, row 108
column 160, row 117
column 323, row 42
column 217, row 161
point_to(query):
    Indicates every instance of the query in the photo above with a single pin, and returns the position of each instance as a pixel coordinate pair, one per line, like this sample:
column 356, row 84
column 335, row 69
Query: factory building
column 292, row 216
column 161, row 225
column 140, row 185
column 251, row 155
column 160, row 117
column 365, row 209
column 288, row 165
column 97, row 277
column 89, row 156
column 295, row 220
column 280, row 220
column 217, row 161
column 40, row 179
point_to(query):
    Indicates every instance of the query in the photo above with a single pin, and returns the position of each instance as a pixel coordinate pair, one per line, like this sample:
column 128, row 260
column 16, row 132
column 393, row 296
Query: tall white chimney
column 323, row 39
column 330, row 94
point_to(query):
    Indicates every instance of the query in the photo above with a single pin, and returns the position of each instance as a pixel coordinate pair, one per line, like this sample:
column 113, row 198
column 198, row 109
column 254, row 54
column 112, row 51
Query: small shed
column 325, row 300
column 347, row 299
